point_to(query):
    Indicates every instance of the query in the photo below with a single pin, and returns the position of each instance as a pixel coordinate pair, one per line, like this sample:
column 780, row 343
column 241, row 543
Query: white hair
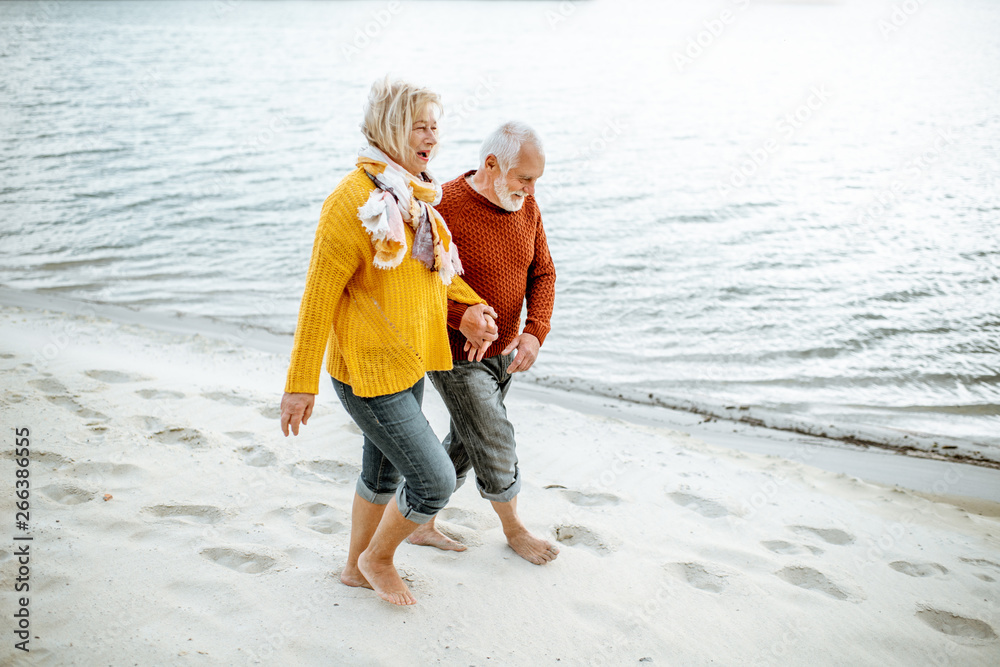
column 506, row 141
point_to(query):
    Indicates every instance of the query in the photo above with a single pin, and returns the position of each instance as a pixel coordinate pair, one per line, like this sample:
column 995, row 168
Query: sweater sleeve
column 460, row 297
column 541, row 288
column 334, row 260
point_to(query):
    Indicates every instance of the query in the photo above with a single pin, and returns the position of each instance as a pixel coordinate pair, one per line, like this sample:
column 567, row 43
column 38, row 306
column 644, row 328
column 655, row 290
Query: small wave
column 694, row 217
column 73, row 263
column 88, row 151
column 908, row 295
column 69, row 289
column 889, row 332
column 976, row 410
column 101, row 194
column 913, row 379
column 756, row 204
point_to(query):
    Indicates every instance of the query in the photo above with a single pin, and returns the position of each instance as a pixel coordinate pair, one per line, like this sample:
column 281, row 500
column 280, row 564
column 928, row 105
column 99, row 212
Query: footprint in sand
column 257, row 456
column 181, row 436
column 159, row 394
column 323, row 470
column 64, row 494
column 918, row 569
column 955, row 625
column 698, row 576
column 228, row 398
column 320, row 518
column 467, row 519
column 187, row 513
column 983, row 563
column 828, row 535
column 115, row 376
column 788, row 548
column 239, row 560
column 580, row 535
column 73, row 406
column 703, row 506
column 49, row 386
column 52, row 459
column 270, row 411
column 589, row 499
column 814, row 580
column 56, row 393
column 350, row 427
column 104, row 469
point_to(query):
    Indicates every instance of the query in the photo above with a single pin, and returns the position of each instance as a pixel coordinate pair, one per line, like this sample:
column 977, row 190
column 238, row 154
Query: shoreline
column 641, row 412
column 884, row 466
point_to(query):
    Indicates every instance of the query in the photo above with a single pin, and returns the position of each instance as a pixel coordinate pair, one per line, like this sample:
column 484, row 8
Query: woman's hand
column 480, row 329
column 296, row 409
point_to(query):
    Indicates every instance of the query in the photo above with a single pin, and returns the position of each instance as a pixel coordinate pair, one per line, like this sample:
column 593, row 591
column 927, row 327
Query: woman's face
column 423, row 137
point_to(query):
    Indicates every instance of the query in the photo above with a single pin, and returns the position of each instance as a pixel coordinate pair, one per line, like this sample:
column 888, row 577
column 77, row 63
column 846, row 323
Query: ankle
column 514, row 528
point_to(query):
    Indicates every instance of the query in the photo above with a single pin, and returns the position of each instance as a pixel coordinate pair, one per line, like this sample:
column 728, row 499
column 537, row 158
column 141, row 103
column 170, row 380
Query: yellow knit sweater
column 383, row 329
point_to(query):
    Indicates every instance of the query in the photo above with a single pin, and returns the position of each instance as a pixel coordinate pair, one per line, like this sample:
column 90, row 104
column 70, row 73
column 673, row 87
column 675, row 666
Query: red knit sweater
column 506, row 260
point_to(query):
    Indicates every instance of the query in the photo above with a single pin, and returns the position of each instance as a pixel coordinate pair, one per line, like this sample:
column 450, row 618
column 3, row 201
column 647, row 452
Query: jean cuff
column 408, row 512
column 507, row 494
column 375, row 498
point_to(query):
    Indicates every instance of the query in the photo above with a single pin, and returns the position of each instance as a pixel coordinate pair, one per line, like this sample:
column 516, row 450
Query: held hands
column 527, row 351
column 480, row 330
column 296, row 409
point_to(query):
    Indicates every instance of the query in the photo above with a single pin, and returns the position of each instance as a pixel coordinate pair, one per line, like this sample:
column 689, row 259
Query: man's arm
column 540, row 293
column 540, row 290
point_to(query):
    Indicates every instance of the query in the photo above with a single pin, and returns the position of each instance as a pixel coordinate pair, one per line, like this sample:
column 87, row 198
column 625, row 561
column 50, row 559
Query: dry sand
column 222, row 540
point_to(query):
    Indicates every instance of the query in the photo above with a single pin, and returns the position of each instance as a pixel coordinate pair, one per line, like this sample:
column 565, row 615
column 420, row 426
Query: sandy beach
column 172, row 524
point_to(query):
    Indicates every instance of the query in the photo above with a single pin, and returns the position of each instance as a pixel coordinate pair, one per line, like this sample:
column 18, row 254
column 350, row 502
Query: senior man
column 494, row 219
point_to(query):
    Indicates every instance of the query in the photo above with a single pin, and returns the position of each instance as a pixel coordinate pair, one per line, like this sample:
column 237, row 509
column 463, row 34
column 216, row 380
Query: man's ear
column 491, row 162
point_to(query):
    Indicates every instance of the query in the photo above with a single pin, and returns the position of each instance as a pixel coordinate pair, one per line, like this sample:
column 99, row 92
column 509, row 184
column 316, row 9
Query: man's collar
column 467, row 178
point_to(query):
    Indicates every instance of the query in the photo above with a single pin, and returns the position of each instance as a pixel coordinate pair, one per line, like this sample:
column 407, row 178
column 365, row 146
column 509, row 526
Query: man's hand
column 296, row 409
column 480, row 330
column 527, row 351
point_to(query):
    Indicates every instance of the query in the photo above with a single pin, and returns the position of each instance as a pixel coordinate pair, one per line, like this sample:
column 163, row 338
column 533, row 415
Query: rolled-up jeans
column 481, row 436
column 400, row 446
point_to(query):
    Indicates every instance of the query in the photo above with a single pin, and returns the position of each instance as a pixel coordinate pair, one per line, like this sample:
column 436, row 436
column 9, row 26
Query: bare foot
column 385, row 580
column 428, row 535
column 351, row 576
column 530, row 548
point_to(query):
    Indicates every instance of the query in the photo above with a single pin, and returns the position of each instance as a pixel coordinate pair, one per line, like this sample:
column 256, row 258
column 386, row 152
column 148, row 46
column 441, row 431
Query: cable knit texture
column 382, row 329
column 506, row 260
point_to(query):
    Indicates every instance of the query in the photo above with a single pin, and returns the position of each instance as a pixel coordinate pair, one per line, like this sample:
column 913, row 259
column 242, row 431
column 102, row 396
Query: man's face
column 513, row 187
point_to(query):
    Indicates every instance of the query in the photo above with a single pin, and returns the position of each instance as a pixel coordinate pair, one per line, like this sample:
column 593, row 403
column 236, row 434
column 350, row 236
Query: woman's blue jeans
column 400, row 446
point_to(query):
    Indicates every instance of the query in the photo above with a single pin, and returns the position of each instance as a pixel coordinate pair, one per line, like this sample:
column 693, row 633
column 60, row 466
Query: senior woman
column 382, row 269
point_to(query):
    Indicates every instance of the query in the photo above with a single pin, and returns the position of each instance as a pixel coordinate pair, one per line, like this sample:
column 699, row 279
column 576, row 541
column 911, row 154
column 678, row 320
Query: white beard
column 507, row 199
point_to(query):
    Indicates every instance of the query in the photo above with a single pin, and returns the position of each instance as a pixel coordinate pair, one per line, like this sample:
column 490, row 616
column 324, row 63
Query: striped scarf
column 401, row 197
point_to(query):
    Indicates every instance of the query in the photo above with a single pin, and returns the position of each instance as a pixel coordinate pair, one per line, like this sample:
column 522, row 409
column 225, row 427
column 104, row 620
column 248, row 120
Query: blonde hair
column 389, row 114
